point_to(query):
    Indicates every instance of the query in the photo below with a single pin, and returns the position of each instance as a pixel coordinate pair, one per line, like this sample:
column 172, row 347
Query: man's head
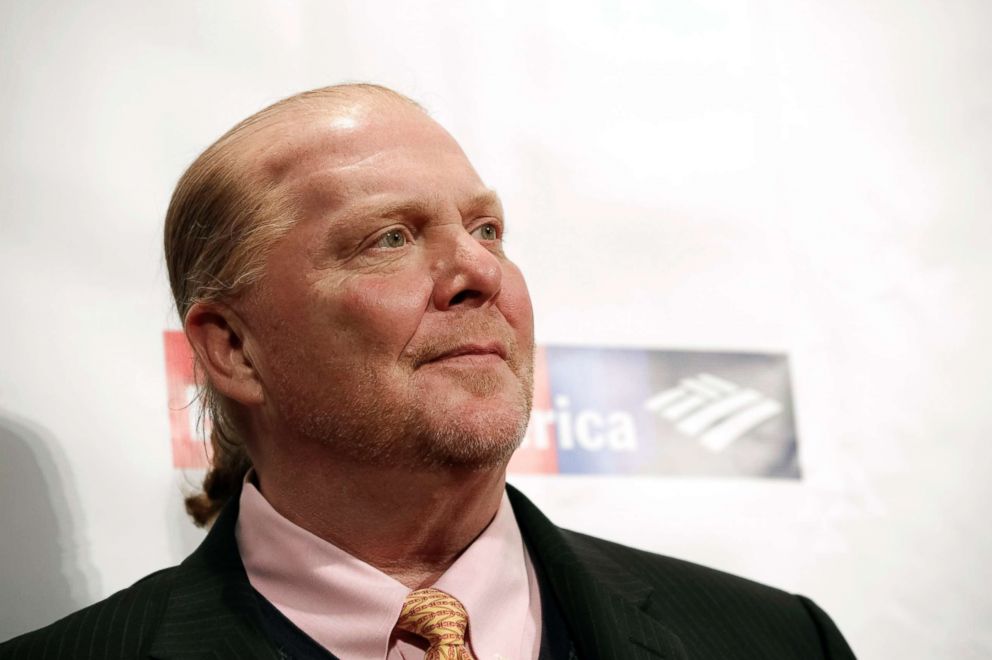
column 338, row 266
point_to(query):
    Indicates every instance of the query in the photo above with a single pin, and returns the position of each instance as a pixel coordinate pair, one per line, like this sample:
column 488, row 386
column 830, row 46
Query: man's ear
column 216, row 334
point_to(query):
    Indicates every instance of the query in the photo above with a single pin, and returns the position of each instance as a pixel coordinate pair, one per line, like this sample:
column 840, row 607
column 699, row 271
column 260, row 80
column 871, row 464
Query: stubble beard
column 371, row 426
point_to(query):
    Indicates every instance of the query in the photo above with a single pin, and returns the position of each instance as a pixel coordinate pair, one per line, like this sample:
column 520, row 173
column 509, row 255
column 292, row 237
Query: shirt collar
column 351, row 607
column 495, row 582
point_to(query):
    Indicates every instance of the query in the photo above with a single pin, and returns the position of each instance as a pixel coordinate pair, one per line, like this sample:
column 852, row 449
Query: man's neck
column 411, row 524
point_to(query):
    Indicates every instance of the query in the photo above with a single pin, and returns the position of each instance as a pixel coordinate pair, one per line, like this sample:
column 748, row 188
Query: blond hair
column 222, row 220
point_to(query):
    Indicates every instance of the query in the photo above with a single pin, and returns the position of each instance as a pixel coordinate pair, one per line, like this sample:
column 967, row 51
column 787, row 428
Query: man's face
column 389, row 324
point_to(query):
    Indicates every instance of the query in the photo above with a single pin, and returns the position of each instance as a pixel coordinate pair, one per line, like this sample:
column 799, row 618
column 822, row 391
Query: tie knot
column 439, row 618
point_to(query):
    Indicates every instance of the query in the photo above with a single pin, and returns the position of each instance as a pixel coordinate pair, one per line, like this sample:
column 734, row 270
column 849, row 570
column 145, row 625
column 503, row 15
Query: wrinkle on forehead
column 328, row 181
column 390, row 205
column 299, row 150
column 337, row 136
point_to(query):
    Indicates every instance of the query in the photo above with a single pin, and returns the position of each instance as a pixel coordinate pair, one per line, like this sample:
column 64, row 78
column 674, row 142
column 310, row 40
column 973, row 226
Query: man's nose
column 466, row 273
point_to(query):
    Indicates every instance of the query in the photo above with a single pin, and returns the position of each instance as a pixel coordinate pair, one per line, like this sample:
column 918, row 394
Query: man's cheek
column 515, row 304
column 388, row 309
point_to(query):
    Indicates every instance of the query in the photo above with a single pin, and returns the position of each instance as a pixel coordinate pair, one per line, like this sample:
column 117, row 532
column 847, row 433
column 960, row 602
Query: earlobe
column 216, row 334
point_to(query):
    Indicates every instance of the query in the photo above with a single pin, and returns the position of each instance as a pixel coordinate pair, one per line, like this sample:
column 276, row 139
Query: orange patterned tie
column 438, row 618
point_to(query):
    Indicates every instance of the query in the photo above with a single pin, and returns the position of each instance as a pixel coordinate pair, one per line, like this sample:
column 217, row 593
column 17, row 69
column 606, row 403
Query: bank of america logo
column 713, row 410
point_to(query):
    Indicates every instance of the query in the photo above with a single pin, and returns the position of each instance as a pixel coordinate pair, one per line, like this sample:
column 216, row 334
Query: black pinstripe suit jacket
column 619, row 604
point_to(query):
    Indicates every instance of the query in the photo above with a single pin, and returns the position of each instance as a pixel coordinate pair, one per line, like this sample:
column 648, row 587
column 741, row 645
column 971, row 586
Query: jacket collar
column 212, row 611
column 603, row 603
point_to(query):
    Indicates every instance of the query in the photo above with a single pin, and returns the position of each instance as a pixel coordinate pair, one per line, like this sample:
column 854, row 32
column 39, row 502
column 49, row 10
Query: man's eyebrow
column 487, row 199
column 392, row 209
column 481, row 201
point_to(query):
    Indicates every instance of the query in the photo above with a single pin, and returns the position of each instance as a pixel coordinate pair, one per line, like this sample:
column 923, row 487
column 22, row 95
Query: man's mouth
column 480, row 353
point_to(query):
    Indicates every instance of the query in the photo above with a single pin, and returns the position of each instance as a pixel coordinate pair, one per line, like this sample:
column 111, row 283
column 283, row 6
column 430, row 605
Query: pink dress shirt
column 351, row 607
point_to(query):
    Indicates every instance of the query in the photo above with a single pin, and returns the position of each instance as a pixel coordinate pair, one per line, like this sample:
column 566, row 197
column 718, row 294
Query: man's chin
column 452, row 379
column 473, row 433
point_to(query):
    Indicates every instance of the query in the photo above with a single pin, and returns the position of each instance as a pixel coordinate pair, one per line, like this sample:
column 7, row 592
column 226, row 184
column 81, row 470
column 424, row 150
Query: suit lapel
column 212, row 610
column 601, row 601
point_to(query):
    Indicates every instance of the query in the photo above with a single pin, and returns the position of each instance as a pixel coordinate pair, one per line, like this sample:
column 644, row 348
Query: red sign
column 189, row 450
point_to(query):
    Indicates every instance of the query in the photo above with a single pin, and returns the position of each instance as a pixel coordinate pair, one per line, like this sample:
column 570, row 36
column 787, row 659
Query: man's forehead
column 393, row 162
column 301, row 141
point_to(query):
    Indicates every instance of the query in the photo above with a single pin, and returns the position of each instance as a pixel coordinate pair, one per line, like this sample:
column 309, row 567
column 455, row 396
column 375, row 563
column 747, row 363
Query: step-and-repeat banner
column 608, row 410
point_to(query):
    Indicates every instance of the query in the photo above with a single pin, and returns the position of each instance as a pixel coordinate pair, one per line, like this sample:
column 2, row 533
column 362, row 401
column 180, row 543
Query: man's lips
column 473, row 352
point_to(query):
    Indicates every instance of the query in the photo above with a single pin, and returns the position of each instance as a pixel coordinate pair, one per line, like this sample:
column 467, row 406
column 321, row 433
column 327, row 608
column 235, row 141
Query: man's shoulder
column 693, row 597
column 622, row 566
column 676, row 607
column 670, row 573
column 204, row 607
column 119, row 626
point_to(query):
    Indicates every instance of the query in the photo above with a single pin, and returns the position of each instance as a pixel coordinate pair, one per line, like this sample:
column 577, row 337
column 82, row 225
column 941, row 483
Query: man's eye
column 392, row 239
column 487, row 232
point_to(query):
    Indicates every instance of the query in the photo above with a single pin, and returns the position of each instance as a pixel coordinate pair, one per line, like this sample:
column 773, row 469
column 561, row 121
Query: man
column 367, row 347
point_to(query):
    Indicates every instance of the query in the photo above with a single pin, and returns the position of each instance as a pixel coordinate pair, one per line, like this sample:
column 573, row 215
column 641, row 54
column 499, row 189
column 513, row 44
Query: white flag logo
column 712, row 409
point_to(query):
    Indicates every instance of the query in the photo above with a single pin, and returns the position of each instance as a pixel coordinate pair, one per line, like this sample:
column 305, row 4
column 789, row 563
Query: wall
column 801, row 177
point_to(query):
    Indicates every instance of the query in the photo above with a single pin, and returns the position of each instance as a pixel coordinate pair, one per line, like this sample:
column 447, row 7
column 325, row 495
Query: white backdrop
column 809, row 177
